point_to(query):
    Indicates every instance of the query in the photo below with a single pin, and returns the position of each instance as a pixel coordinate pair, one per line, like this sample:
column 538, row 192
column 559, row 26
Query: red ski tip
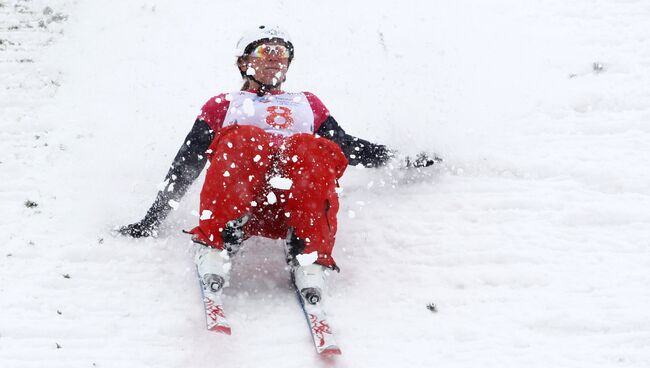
column 331, row 351
column 222, row 329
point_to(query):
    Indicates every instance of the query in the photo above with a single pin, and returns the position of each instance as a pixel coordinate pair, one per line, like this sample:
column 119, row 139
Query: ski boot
column 308, row 279
column 310, row 282
column 213, row 266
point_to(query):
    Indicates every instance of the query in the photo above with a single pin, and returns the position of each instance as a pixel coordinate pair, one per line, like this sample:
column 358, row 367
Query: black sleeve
column 186, row 167
column 357, row 151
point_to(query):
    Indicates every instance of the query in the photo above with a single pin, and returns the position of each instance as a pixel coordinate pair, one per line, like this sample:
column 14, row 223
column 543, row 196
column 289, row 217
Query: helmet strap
column 263, row 87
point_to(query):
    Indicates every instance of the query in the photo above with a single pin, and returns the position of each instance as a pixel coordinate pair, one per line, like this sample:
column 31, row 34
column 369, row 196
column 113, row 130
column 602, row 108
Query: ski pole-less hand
column 422, row 159
column 140, row 229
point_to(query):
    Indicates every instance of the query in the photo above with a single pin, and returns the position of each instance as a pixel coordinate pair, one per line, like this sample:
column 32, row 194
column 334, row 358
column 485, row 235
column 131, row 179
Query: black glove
column 422, row 159
column 140, row 229
column 148, row 226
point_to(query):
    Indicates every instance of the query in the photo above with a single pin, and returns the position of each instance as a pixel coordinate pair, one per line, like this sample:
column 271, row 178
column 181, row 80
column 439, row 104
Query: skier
column 275, row 158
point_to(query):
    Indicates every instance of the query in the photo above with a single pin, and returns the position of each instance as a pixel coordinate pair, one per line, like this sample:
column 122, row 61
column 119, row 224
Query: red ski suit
column 246, row 159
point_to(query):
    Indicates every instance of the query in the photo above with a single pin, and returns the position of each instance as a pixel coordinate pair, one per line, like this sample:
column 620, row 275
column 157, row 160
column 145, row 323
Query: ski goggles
column 280, row 51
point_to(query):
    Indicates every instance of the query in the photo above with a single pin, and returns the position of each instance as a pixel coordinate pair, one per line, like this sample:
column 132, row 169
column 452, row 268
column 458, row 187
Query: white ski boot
column 213, row 266
column 310, row 282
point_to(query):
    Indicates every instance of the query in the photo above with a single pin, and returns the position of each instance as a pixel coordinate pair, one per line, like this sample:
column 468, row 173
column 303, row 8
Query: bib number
column 279, row 117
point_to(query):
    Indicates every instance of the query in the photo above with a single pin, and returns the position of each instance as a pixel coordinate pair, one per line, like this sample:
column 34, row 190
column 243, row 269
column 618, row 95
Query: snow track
column 532, row 239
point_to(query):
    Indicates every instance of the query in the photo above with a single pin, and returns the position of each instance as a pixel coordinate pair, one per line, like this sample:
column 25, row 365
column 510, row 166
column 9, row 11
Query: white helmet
column 262, row 33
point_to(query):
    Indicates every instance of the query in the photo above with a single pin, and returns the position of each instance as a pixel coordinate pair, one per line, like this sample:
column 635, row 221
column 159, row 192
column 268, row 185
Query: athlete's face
column 267, row 63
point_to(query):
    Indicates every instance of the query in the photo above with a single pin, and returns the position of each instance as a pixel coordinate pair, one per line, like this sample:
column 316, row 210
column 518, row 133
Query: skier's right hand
column 140, row 229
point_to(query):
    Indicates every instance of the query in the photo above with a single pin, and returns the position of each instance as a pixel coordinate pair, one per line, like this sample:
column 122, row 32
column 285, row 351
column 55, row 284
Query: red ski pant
column 245, row 165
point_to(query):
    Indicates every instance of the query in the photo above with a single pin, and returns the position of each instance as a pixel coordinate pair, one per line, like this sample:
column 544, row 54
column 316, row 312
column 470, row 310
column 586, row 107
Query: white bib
column 283, row 114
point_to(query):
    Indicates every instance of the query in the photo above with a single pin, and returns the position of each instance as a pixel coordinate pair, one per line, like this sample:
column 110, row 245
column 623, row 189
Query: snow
column 279, row 182
column 271, row 198
column 173, row 204
column 532, row 238
column 205, row 215
column 307, row 259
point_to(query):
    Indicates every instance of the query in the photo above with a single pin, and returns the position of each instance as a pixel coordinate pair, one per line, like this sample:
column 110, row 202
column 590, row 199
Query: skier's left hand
column 422, row 159
column 142, row 229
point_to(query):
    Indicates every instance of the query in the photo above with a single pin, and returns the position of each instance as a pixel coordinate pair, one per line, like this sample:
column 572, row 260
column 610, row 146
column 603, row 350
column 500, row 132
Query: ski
column 321, row 332
column 215, row 317
column 319, row 327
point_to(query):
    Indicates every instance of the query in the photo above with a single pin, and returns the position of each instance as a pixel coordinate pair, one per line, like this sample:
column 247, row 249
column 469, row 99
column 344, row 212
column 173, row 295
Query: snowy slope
column 532, row 238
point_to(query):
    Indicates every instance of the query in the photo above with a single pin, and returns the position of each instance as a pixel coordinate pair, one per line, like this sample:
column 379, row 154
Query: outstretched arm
column 357, row 151
column 185, row 168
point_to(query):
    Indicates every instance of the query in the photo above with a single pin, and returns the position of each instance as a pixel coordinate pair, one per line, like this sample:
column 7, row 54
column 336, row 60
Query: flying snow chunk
column 257, row 158
column 281, row 183
column 271, row 198
column 248, row 107
column 173, row 204
column 250, row 71
column 226, row 173
column 206, row 215
column 307, row 259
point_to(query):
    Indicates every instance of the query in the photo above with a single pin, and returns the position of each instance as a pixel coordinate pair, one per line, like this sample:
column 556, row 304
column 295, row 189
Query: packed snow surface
column 529, row 246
